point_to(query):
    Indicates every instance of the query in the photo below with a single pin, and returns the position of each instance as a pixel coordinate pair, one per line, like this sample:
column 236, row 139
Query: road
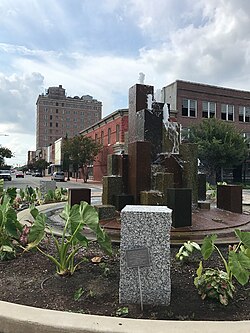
column 28, row 180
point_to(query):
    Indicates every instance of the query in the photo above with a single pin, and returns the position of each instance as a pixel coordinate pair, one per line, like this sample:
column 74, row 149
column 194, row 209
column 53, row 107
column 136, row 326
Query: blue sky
column 99, row 47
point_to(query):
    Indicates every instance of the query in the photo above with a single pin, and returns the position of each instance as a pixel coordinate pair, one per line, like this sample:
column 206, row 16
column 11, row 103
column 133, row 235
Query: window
column 102, row 136
column 50, row 124
column 56, row 110
column 109, row 135
column 227, row 112
column 62, row 104
column 56, row 124
column 244, row 114
column 96, row 137
column 50, row 117
column 117, row 133
column 189, row 108
column 56, row 103
column 208, row 109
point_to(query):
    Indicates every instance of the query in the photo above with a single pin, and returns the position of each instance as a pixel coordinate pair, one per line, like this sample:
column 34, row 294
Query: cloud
column 99, row 48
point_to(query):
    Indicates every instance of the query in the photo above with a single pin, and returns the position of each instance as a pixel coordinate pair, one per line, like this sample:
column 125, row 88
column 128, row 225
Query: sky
column 99, row 47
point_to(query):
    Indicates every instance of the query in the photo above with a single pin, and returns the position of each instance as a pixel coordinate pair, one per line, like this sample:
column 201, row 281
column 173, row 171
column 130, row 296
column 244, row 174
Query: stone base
column 76, row 195
column 145, row 229
column 121, row 200
column 204, row 205
column 151, row 198
column 105, row 211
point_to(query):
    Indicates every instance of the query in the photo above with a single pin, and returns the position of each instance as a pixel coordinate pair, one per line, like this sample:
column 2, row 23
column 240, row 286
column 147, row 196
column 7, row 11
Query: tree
column 78, row 151
column 5, row 153
column 40, row 164
column 220, row 145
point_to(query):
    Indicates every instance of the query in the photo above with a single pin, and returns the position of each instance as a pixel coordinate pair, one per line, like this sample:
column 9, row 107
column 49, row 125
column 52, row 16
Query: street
column 28, row 180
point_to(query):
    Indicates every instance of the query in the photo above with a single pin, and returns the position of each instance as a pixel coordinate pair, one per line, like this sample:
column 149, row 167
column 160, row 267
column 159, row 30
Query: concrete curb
column 24, row 319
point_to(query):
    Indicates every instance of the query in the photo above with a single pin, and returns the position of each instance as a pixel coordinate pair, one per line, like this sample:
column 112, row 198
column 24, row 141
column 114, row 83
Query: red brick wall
column 219, row 95
column 100, row 163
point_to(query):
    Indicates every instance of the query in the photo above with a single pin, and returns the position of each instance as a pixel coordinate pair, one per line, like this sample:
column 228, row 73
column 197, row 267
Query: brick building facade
column 111, row 133
column 58, row 115
column 191, row 102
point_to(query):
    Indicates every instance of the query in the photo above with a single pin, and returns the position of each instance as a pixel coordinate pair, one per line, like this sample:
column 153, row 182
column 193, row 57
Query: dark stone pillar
column 121, row 200
column 229, row 197
column 139, row 168
column 202, row 186
column 189, row 155
column 112, row 185
column 123, row 171
column 138, row 100
column 149, row 128
column 163, row 181
column 76, row 195
column 180, row 201
column 113, row 165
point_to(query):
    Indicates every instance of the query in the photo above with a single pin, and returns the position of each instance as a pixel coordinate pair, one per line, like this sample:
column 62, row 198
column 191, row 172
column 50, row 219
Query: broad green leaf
column 196, row 246
column 37, row 232
column 244, row 236
column 207, row 247
column 239, row 265
column 6, row 248
column 188, row 246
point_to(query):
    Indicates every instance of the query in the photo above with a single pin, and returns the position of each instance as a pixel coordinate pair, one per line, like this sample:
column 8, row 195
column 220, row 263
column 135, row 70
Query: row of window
column 189, row 109
column 82, row 113
column 75, row 105
column 101, row 139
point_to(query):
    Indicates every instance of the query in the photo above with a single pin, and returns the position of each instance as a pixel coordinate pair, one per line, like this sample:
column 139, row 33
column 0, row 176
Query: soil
column 30, row 279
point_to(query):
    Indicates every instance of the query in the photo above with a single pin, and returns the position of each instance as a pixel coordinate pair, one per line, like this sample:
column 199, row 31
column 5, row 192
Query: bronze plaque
column 138, row 257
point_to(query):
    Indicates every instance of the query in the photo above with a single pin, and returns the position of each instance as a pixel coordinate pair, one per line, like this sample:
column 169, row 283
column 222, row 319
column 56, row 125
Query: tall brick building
column 58, row 115
column 191, row 102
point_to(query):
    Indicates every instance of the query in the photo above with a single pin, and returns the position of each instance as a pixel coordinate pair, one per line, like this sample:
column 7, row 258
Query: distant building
column 111, row 132
column 31, row 156
column 58, row 115
column 190, row 103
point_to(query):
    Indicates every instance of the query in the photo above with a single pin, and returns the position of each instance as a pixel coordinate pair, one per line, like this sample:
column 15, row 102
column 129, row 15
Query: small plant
column 105, row 269
column 214, row 283
column 186, row 250
column 12, row 232
column 78, row 293
column 122, row 311
column 73, row 240
column 219, row 284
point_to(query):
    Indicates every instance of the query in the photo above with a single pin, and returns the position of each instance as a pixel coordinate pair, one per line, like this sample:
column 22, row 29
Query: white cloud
column 203, row 41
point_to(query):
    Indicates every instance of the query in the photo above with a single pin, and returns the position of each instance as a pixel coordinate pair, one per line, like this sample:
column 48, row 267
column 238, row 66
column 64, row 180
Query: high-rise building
column 59, row 115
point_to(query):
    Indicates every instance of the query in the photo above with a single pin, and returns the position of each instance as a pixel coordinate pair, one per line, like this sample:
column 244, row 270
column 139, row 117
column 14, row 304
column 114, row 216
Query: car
column 28, row 173
column 5, row 174
column 58, row 176
column 19, row 174
column 37, row 174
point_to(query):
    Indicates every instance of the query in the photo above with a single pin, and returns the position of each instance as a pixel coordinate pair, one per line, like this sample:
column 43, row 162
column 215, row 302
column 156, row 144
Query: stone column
column 139, row 168
column 145, row 243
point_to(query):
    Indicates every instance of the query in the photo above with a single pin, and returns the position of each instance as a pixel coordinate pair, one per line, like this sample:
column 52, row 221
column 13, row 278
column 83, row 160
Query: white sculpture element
column 149, row 101
column 172, row 129
column 141, row 78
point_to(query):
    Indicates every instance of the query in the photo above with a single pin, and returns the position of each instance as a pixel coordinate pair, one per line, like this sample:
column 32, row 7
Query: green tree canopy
column 5, row 153
column 40, row 164
column 220, row 145
column 78, row 151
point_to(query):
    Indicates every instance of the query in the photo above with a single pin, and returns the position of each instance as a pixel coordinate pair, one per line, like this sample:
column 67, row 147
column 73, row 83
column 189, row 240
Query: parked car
column 5, row 174
column 58, row 176
column 19, row 174
column 28, row 172
column 37, row 174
